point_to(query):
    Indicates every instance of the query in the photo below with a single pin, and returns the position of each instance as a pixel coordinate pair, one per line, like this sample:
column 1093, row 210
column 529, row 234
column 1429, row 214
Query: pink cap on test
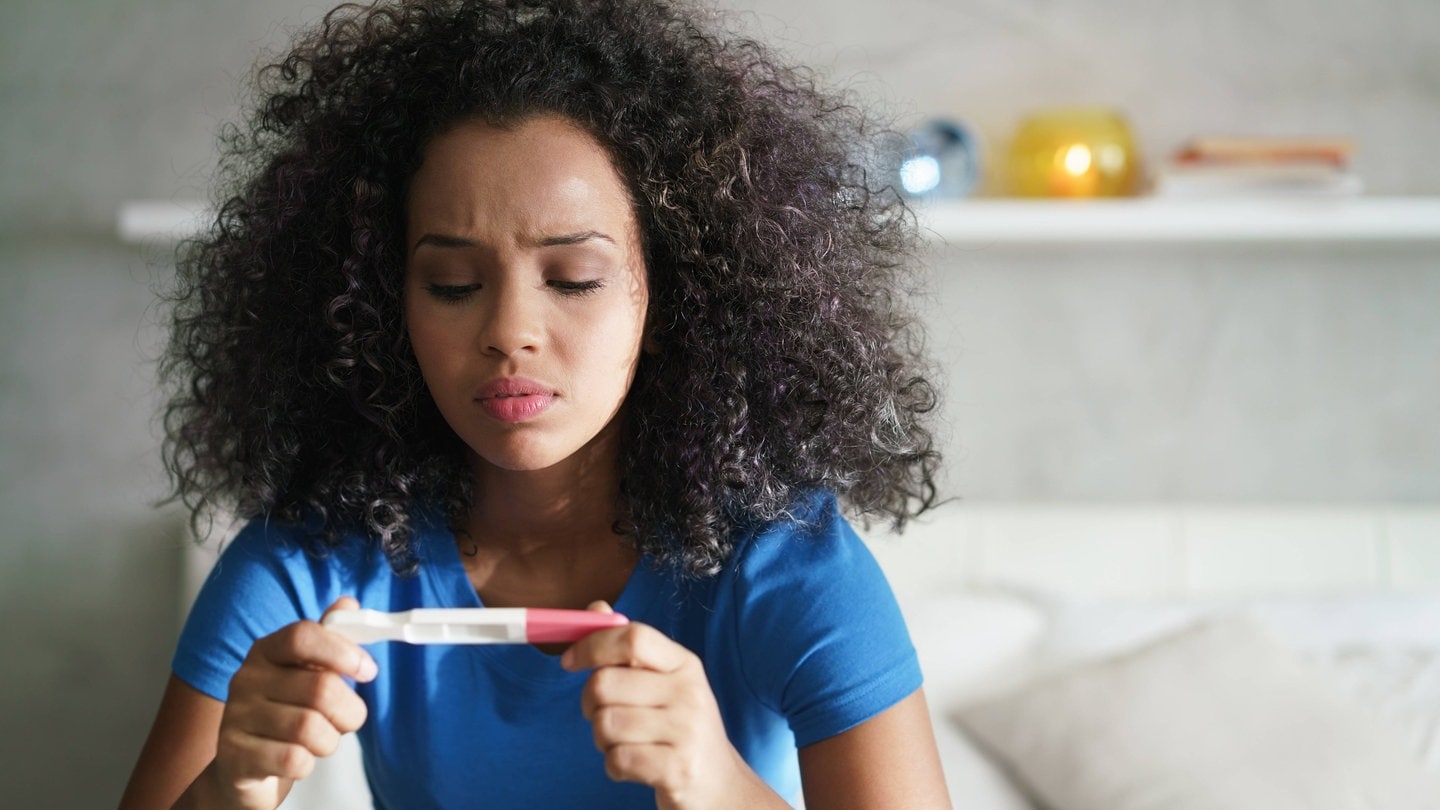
column 550, row 626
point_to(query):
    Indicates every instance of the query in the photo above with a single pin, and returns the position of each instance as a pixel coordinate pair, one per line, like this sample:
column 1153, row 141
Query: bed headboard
column 1139, row 550
column 1166, row 550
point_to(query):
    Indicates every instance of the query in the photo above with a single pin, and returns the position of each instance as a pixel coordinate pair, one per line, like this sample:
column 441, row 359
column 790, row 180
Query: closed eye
column 451, row 292
column 576, row 288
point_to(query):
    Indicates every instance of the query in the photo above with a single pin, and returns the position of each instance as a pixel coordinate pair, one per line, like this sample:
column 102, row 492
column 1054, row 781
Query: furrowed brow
column 441, row 240
column 573, row 238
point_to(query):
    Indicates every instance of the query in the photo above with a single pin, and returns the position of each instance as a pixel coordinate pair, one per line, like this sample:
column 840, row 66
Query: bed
column 1179, row 657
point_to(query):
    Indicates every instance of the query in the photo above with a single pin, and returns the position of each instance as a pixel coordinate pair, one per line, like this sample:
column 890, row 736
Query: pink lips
column 514, row 399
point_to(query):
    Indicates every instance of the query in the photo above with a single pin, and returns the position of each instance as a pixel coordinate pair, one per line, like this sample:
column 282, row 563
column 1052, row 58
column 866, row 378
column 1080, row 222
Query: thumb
column 600, row 606
column 365, row 668
column 343, row 603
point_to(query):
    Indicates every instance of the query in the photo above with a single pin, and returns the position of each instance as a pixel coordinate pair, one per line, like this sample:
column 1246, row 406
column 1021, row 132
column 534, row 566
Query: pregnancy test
column 471, row 625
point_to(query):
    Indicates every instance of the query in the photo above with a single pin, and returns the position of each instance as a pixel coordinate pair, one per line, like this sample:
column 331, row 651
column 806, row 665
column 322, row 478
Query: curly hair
column 787, row 360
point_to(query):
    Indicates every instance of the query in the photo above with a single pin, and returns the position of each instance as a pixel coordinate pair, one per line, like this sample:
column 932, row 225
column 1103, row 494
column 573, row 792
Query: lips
column 514, row 399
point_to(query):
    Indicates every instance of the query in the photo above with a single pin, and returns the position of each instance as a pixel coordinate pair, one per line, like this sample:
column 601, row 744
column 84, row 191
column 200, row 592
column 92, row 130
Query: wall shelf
column 1000, row 221
column 1244, row 219
column 160, row 220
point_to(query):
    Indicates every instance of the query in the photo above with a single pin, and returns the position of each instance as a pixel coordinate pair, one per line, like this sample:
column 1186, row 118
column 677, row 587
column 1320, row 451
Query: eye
column 575, row 288
column 451, row 292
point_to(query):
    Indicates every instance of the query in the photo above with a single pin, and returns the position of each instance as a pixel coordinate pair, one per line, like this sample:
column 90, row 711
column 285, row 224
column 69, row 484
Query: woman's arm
column 888, row 761
column 180, row 745
column 288, row 704
column 655, row 720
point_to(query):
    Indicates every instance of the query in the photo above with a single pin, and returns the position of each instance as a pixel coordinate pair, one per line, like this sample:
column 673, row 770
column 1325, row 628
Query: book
column 1250, row 165
column 1179, row 179
column 1265, row 149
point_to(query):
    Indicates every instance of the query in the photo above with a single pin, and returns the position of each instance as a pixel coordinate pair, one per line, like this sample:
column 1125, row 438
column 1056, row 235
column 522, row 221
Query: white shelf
column 995, row 221
column 1249, row 219
column 160, row 220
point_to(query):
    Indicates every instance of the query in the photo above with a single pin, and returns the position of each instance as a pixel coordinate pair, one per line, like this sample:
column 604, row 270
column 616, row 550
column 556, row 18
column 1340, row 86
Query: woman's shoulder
column 834, row 650
column 305, row 549
column 273, row 538
column 814, row 516
column 812, row 538
column 272, row 564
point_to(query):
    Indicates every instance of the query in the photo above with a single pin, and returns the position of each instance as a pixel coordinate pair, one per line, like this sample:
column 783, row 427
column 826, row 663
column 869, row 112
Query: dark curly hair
column 787, row 361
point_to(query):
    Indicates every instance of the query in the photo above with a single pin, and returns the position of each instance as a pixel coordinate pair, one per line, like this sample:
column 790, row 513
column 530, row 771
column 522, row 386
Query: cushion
column 975, row 781
column 1218, row 716
column 1402, row 684
column 971, row 644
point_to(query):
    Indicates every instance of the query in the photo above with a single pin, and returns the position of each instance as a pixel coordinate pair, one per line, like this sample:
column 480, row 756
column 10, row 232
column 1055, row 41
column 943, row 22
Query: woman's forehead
column 544, row 177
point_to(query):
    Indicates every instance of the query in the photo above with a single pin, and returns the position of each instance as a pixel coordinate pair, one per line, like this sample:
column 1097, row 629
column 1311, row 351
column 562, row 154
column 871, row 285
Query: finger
column 320, row 691
column 248, row 756
column 646, row 763
column 624, row 686
column 600, row 606
column 308, row 644
column 633, row 645
column 367, row 669
column 630, row 725
column 343, row 603
column 282, row 723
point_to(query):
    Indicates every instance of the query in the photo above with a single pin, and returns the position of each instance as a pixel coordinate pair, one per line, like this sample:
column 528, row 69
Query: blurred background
column 1121, row 372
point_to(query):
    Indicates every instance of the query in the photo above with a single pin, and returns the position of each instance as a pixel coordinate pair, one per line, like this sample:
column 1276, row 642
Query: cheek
column 419, row 337
column 624, row 334
column 431, row 343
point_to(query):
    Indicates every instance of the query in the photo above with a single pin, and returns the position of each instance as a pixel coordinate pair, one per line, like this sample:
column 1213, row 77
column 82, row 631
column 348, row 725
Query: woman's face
column 525, row 289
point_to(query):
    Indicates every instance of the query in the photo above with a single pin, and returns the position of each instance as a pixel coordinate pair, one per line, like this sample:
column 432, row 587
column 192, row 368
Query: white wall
column 1299, row 374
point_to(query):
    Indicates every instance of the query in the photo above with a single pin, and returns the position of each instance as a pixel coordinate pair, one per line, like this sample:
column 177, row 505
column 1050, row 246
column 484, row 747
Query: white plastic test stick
column 471, row 625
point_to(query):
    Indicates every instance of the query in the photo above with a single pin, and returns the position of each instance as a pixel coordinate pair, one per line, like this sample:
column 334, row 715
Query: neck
column 568, row 504
column 523, row 512
column 544, row 538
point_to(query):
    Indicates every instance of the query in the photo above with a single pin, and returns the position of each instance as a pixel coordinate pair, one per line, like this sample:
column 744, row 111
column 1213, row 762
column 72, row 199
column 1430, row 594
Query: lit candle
column 1073, row 153
column 1074, row 178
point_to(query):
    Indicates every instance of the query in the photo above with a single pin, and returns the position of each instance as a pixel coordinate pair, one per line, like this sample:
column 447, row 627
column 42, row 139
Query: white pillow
column 1219, row 716
column 975, row 781
column 971, row 644
column 1401, row 684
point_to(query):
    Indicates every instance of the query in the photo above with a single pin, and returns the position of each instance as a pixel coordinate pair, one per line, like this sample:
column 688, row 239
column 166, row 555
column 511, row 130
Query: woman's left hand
column 656, row 720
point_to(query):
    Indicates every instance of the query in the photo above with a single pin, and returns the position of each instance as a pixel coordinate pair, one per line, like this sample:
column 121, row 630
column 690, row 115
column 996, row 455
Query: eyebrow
column 442, row 240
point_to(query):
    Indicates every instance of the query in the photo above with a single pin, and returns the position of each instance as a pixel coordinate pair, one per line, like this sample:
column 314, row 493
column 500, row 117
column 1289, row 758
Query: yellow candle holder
column 1073, row 152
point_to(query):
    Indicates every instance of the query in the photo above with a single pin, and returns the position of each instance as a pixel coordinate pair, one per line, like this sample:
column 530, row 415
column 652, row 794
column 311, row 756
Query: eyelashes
column 455, row 293
column 575, row 288
column 451, row 293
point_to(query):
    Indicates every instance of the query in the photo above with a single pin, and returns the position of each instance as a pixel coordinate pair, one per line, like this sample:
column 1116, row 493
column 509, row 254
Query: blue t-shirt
column 800, row 636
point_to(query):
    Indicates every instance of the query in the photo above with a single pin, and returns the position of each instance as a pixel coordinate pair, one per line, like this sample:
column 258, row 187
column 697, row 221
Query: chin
column 535, row 450
column 526, row 456
column 518, row 462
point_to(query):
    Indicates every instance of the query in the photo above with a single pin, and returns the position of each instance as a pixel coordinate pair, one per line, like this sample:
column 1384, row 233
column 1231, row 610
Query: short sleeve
column 258, row 585
column 822, row 639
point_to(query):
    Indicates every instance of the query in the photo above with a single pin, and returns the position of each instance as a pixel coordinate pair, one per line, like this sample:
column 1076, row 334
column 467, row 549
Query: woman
column 551, row 304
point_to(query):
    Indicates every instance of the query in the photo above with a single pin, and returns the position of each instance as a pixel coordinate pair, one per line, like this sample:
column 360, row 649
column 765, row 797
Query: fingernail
column 567, row 660
column 368, row 668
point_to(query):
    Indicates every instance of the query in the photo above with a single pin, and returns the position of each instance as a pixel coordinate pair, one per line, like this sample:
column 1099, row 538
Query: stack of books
column 1232, row 166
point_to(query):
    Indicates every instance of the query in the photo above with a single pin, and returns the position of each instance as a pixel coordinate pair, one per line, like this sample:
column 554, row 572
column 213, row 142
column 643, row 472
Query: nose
column 511, row 321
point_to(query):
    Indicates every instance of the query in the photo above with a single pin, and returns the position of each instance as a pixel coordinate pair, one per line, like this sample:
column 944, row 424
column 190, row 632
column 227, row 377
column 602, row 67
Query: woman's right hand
column 288, row 705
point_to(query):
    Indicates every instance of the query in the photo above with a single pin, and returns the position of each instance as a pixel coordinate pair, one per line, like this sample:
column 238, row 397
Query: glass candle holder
column 939, row 160
column 1073, row 152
